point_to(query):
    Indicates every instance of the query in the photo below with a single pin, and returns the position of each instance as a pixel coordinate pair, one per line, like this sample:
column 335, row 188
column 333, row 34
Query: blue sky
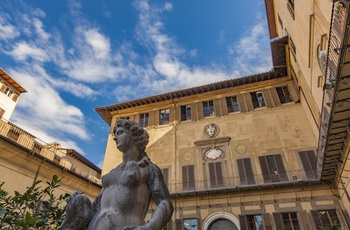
column 73, row 56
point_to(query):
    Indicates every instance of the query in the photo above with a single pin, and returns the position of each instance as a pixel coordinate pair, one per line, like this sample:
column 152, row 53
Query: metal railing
column 49, row 151
column 257, row 180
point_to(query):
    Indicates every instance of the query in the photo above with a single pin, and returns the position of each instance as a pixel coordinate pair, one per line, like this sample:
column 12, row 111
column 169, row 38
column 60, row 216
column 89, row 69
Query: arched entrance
column 222, row 221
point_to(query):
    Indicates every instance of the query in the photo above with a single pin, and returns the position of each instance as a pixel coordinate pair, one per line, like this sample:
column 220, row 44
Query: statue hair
column 139, row 134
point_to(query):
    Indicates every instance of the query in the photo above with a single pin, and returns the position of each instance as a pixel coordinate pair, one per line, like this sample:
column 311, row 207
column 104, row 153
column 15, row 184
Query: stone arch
column 220, row 215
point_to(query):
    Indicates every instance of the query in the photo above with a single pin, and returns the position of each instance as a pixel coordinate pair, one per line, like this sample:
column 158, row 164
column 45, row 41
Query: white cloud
column 40, row 30
column 99, row 43
column 168, row 6
column 23, row 50
column 7, row 31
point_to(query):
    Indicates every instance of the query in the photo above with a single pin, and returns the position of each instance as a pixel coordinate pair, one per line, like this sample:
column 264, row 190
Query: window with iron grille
column 144, row 119
column 257, row 99
column 254, row 222
column 186, row 113
column 283, row 94
column 290, row 221
column 190, row 224
column 164, row 116
column 325, row 218
column 232, row 104
column 273, row 168
column 208, row 108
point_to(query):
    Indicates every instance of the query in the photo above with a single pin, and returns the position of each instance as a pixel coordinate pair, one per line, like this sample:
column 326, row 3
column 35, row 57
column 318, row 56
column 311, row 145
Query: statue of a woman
column 127, row 189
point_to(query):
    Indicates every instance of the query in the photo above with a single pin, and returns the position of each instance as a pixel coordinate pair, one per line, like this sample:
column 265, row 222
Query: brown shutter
column 267, row 98
column 155, row 117
column 241, row 102
column 248, row 100
column 280, row 167
column 188, row 177
column 223, row 106
column 137, row 118
column 15, row 97
column 304, row 221
column 212, row 175
column 191, row 176
column 278, row 220
column 2, row 112
column 200, row 110
column 179, row 224
column 308, row 159
column 177, row 114
column 265, row 169
column 249, row 171
column 217, row 107
column 171, row 114
column 152, row 118
column 316, row 218
column 194, row 112
column 267, row 221
column 292, row 91
column 219, row 175
column 3, row 87
column 241, row 171
column 341, row 217
column 185, row 178
column 199, row 227
column 166, row 176
column 243, row 222
column 275, row 97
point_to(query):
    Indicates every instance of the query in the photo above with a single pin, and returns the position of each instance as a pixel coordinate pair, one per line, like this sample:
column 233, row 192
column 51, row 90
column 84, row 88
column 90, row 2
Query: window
column 283, row 94
column 15, row 97
column 190, row 224
column 245, row 171
column 324, row 218
column 308, row 159
column 254, row 222
column 272, row 168
column 215, row 172
column 164, row 116
column 257, row 99
column 185, row 113
column 208, row 108
column 188, row 177
column 2, row 112
column 232, row 104
column 293, row 48
column 144, row 119
column 290, row 221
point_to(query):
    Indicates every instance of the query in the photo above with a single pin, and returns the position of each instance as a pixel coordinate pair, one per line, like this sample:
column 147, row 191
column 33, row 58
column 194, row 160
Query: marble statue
column 126, row 190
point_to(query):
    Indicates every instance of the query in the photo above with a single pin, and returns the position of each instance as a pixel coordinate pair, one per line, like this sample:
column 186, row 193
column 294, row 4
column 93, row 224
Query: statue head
column 138, row 133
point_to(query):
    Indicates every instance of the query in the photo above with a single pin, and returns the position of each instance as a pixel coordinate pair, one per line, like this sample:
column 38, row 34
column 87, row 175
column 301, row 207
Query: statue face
column 123, row 139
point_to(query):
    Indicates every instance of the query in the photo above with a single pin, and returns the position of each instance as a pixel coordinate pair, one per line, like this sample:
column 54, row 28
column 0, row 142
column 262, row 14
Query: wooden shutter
column 292, row 91
column 275, row 98
column 223, row 105
column 265, row 169
column 248, row 100
column 194, row 111
column 267, row 221
column 200, row 110
column 152, row 118
column 15, row 97
column 243, row 222
column 341, row 217
column 304, row 221
column 2, row 112
column 245, row 171
column 217, row 107
column 188, row 177
column 308, row 159
column 179, row 224
column 267, row 98
column 280, row 167
column 177, row 113
column 3, row 87
column 165, row 173
column 199, row 226
column 171, row 115
column 215, row 173
column 277, row 217
column 241, row 102
column 316, row 219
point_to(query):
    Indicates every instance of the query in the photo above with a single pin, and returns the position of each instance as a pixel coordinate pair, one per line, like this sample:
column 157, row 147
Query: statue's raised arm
column 124, row 200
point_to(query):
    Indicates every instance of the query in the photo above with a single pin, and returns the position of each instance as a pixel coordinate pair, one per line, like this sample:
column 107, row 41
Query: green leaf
column 55, row 178
column 3, row 212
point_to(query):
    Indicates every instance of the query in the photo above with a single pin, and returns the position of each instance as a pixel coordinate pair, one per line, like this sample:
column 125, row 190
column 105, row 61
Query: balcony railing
column 49, row 151
column 259, row 180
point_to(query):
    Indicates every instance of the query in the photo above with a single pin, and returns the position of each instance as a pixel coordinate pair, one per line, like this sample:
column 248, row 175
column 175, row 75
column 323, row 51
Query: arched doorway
column 222, row 224
column 222, row 221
